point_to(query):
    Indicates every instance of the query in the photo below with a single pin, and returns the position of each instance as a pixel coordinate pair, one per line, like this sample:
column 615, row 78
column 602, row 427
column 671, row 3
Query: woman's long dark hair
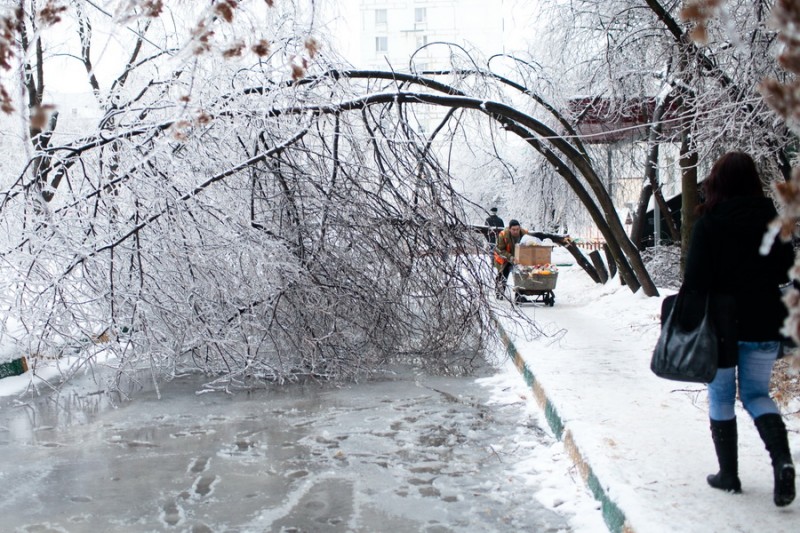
column 734, row 174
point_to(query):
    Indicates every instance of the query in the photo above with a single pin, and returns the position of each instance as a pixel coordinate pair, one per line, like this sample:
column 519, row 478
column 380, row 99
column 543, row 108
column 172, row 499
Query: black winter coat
column 724, row 258
column 495, row 221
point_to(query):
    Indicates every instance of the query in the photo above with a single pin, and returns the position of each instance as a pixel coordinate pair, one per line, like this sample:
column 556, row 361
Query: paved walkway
column 641, row 443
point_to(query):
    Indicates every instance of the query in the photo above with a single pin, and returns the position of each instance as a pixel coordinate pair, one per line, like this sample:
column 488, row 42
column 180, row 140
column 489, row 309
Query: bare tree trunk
column 639, row 219
column 612, row 266
column 597, row 261
column 690, row 196
column 651, row 168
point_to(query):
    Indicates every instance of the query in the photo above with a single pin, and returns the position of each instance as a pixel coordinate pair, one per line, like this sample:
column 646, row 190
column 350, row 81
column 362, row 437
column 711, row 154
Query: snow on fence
column 592, row 244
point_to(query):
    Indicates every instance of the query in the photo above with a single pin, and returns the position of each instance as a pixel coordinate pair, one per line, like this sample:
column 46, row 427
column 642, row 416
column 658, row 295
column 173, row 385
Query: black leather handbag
column 686, row 353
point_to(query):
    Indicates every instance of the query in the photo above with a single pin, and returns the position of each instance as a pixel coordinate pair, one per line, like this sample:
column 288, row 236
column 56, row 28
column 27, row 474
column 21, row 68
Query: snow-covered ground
column 645, row 439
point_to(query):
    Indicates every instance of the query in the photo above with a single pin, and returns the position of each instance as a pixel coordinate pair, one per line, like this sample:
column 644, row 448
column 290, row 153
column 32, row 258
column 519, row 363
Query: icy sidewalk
column 642, row 443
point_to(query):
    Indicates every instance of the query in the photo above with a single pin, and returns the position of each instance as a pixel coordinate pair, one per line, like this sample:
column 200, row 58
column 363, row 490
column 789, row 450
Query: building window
column 422, row 40
column 381, row 44
column 420, row 15
column 380, row 17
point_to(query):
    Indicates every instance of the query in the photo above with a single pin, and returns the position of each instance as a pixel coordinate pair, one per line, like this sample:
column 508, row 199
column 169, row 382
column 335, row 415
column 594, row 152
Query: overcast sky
column 339, row 23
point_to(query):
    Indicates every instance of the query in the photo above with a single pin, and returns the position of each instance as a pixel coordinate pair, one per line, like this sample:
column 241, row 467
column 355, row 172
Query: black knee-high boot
column 725, row 437
column 773, row 433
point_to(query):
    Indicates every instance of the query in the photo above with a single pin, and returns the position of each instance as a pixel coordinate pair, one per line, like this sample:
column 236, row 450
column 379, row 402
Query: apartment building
column 403, row 34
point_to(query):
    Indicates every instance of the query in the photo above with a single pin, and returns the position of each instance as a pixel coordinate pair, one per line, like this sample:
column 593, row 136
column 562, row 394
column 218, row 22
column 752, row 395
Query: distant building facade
column 393, row 30
column 407, row 36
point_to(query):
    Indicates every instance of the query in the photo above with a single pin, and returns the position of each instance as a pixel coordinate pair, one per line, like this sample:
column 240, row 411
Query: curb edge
column 613, row 516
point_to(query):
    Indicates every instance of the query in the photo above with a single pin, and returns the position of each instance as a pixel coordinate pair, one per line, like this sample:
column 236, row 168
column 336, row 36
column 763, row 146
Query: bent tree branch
column 607, row 221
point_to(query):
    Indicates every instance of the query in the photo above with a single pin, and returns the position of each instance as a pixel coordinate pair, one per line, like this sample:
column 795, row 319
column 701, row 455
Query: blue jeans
column 754, row 371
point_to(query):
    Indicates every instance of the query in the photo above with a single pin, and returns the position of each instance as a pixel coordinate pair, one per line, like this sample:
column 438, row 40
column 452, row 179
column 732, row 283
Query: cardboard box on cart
column 532, row 255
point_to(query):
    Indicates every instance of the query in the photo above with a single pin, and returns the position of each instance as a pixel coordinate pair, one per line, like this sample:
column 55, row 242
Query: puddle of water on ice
column 412, row 453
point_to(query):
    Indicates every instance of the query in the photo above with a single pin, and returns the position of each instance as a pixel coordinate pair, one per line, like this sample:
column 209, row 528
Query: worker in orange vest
column 507, row 240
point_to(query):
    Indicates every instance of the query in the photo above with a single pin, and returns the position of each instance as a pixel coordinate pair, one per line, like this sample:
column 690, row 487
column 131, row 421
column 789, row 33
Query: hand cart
column 536, row 281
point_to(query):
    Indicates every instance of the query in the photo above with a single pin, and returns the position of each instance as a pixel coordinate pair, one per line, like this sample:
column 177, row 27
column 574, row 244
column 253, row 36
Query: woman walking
column 724, row 257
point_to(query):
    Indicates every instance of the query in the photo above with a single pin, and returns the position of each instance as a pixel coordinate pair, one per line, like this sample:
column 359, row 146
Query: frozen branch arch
column 534, row 133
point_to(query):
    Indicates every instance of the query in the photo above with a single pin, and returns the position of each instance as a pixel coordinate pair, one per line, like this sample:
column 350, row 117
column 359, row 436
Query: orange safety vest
column 499, row 259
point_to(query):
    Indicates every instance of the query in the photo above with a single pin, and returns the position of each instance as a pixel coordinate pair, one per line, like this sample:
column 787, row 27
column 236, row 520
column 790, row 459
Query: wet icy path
column 408, row 454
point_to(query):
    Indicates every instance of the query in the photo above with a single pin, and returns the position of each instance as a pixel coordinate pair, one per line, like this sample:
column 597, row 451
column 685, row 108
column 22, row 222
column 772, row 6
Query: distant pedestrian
column 723, row 257
column 507, row 241
column 495, row 225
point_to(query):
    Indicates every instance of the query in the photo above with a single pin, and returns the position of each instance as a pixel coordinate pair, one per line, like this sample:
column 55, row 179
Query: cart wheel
column 500, row 295
column 550, row 299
